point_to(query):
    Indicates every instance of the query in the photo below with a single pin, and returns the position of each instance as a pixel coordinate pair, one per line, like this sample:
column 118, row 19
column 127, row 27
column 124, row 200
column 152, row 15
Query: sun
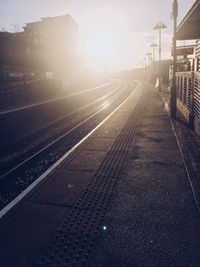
column 99, row 47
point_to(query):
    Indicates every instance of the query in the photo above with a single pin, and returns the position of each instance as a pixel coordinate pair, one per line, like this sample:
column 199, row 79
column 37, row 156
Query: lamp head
column 153, row 45
column 175, row 9
column 160, row 25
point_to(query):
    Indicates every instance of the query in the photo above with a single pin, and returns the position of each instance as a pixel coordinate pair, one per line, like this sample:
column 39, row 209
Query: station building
column 12, row 52
column 188, row 80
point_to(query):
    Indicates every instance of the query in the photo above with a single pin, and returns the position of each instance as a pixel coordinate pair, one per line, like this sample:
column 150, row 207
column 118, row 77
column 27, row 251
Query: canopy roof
column 189, row 28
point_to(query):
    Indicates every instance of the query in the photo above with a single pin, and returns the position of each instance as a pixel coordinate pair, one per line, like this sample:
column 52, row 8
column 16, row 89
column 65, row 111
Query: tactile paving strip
column 78, row 233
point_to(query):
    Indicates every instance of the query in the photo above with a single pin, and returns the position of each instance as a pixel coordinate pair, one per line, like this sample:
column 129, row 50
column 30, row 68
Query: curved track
column 20, row 152
column 20, row 171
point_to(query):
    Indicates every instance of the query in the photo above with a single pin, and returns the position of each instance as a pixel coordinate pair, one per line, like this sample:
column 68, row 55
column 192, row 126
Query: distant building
column 12, row 50
column 51, row 42
column 46, row 45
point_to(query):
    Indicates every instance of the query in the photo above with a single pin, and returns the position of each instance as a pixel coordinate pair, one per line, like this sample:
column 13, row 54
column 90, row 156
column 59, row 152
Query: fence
column 188, row 96
column 22, row 93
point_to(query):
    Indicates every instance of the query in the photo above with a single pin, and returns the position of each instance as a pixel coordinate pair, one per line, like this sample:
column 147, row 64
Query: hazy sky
column 132, row 22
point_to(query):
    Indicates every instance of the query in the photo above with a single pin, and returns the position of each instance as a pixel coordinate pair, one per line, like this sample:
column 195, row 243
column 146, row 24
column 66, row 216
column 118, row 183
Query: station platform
column 127, row 196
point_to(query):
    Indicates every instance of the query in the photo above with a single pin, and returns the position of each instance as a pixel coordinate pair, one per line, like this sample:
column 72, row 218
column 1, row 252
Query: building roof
column 67, row 17
column 189, row 28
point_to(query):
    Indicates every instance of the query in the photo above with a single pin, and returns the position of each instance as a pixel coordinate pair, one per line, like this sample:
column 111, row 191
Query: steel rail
column 24, row 193
column 54, row 100
column 73, row 113
column 93, row 113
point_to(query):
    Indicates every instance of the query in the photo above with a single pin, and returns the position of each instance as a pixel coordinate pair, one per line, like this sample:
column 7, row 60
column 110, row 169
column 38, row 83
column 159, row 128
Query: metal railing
column 188, row 91
column 196, row 86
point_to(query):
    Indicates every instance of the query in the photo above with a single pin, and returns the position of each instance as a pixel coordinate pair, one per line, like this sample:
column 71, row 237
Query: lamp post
column 144, row 61
column 145, row 65
column 160, row 26
column 141, row 69
column 174, row 16
column 153, row 45
column 149, row 57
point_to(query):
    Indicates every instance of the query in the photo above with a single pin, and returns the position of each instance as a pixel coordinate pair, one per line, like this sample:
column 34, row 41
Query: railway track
column 76, row 236
column 18, row 153
column 21, row 171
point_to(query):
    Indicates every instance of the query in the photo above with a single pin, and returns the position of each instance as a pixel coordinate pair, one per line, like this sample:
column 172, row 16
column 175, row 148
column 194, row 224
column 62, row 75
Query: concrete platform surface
column 27, row 230
column 153, row 219
column 123, row 199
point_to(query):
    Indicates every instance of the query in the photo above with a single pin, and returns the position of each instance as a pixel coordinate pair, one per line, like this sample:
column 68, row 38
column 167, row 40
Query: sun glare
column 105, row 104
column 99, row 48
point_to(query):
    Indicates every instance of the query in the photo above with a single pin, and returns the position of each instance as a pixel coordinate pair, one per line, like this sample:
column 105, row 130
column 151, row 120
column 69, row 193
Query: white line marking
column 57, row 163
